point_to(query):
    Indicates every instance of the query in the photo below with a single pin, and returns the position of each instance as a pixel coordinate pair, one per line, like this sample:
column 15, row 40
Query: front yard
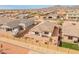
column 70, row 45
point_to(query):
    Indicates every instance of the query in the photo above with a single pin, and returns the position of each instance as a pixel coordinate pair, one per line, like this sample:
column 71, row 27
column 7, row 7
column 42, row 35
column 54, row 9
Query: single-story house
column 16, row 25
column 46, row 29
column 22, row 16
column 4, row 20
column 55, row 15
column 51, row 15
column 70, row 31
column 72, row 15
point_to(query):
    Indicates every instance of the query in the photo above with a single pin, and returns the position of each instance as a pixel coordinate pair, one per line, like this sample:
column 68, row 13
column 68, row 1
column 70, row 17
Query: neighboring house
column 22, row 16
column 54, row 16
column 4, row 20
column 72, row 15
column 17, row 25
column 70, row 31
column 22, row 22
column 51, row 15
column 46, row 29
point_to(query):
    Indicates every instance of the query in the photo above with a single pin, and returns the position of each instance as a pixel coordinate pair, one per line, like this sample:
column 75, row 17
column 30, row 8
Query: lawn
column 70, row 45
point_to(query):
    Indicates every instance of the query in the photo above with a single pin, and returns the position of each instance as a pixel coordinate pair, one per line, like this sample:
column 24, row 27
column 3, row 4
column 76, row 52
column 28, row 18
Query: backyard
column 70, row 45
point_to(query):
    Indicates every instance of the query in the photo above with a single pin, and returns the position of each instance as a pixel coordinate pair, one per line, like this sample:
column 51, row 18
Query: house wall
column 15, row 31
column 65, row 38
column 23, row 25
column 4, row 27
column 48, row 35
column 75, row 39
column 41, row 34
column 72, row 16
column 44, row 40
column 53, row 16
column 55, row 40
column 31, row 33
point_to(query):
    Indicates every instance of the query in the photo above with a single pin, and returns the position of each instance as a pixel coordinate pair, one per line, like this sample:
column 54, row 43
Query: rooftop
column 15, row 23
column 44, row 26
column 71, row 28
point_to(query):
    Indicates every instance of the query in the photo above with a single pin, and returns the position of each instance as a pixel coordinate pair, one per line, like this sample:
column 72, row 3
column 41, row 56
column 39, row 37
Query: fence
column 41, row 47
column 49, row 48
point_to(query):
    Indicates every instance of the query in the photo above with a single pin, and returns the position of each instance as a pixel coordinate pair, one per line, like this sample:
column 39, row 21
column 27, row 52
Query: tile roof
column 15, row 23
column 44, row 26
column 71, row 29
column 4, row 20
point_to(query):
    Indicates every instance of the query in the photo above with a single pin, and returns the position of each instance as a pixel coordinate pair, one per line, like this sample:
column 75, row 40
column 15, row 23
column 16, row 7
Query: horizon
column 23, row 6
column 30, row 6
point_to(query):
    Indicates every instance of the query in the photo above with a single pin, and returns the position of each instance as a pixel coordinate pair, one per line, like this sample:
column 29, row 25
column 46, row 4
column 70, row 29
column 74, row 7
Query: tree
column 60, row 22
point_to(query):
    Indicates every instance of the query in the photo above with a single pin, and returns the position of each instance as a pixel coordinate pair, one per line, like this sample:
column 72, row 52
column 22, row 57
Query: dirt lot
column 9, row 48
column 12, row 49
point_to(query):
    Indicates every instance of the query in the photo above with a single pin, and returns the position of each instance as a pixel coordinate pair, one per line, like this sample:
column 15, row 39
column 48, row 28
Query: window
column 70, row 37
column 46, row 43
column 58, row 16
column 49, row 17
column 46, row 32
column 36, row 33
column 8, row 29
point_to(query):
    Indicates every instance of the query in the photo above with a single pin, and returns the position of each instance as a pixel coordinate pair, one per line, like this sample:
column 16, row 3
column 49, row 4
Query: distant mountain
column 53, row 7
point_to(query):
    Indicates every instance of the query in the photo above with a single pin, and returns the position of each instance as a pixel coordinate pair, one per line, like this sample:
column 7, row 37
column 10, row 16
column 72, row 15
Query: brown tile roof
column 44, row 26
column 15, row 23
column 4, row 20
column 70, row 28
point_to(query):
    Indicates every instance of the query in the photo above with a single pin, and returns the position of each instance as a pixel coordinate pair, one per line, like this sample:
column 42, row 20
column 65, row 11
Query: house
column 22, row 16
column 4, row 20
column 72, row 15
column 46, row 32
column 51, row 15
column 70, row 31
column 16, row 26
column 24, row 22
column 44, row 29
column 57, row 14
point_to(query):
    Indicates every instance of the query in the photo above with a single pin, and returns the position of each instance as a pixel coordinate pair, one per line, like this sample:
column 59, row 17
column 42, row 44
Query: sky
column 23, row 6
